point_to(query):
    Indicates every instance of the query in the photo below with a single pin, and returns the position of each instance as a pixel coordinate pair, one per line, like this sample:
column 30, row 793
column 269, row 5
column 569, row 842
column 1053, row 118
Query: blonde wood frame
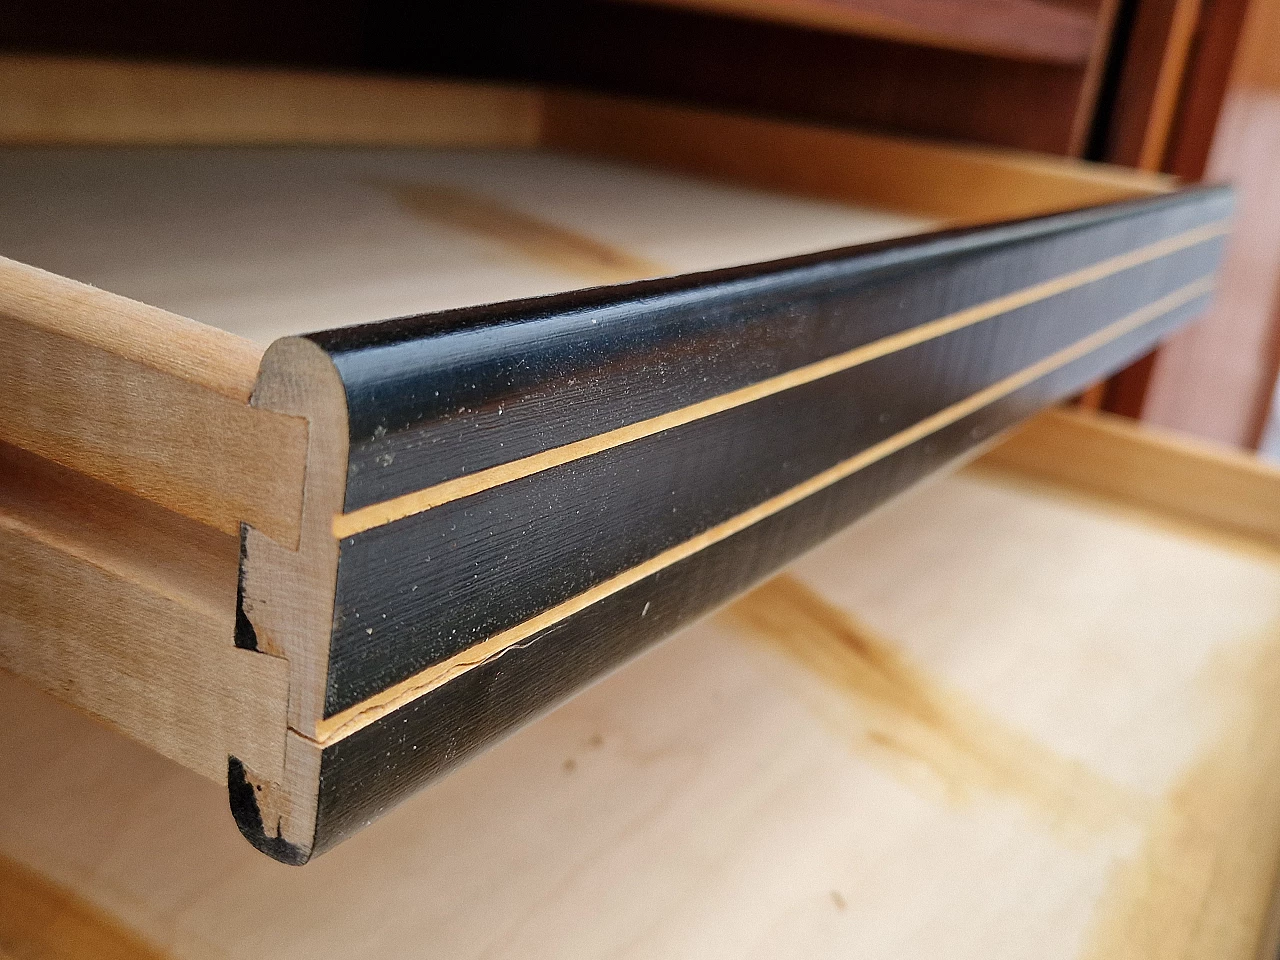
column 64, row 100
column 1156, row 469
column 126, row 610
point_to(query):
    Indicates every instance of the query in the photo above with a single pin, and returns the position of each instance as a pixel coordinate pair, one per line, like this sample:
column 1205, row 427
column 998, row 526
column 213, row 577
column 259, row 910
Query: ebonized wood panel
column 671, row 443
column 565, row 529
column 364, row 775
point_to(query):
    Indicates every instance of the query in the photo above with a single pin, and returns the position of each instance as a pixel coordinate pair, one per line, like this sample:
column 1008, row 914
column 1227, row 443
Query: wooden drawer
column 1025, row 709
column 588, row 368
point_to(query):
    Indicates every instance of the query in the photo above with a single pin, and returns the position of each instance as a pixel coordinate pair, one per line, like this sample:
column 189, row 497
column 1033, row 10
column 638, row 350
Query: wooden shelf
column 269, row 243
column 414, row 511
column 1003, row 710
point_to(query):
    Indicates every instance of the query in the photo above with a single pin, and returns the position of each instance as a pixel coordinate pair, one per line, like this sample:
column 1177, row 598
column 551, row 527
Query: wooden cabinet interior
column 142, row 413
column 1055, row 705
column 922, row 66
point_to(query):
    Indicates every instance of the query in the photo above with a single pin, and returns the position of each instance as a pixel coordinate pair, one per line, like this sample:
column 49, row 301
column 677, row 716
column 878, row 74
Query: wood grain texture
column 474, row 615
column 692, row 476
column 966, row 186
column 275, row 242
column 1173, row 474
column 68, row 100
column 127, row 612
column 136, row 332
column 540, row 240
column 384, row 755
column 147, row 401
column 1023, row 29
column 384, row 692
column 383, row 496
column 741, row 64
column 42, row 920
column 451, row 644
column 1043, row 758
column 641, row 49
column 285, row 606
column 1217, row 379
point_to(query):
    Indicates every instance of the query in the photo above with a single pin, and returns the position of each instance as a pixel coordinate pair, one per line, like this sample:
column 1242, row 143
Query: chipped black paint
column 248, row 816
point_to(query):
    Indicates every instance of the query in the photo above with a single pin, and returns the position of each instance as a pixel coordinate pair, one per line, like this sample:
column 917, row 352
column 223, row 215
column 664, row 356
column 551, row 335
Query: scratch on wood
column 911, row 723
column 1202, row 883
column 40, row 919
column 543, row 242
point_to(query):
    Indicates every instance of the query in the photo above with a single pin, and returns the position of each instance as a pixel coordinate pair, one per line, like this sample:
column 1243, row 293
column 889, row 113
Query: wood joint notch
column 123, row 609
column 146, row 401
column 285, row 600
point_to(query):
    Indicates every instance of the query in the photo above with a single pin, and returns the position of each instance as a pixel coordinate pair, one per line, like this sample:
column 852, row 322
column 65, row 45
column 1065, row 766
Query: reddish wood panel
column 1146, row 100
column 1216, row 379
column 688, row 55
column 1204, row 88
column 1045, row 30
column 753, row 65
column 1176, row 68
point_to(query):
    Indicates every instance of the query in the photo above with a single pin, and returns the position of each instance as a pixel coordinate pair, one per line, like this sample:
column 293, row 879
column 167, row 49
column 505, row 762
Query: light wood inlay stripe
column 355, row 718
column 397, row 508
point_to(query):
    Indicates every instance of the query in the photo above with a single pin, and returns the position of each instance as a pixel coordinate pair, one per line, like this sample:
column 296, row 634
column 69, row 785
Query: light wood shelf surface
column 162, row 251
column 1002, row 711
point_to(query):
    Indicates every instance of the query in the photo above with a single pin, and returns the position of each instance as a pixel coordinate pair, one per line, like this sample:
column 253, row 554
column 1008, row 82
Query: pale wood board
column 960, row 185
column 996, row 719
column 270, row 243
column 151, row 402
column 1217, row 486
column 127, row 612
column 273, row 243
column 84, row 100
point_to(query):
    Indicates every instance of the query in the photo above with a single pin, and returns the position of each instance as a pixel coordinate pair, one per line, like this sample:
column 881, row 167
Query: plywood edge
column 126, row 611
column 145, row 400
column 286, row 601
column 961, row 185
column 1154, row 469
column 89, row 101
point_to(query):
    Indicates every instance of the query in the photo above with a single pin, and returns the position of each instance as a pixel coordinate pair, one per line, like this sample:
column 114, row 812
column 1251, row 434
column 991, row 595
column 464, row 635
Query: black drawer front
column 540, row 490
